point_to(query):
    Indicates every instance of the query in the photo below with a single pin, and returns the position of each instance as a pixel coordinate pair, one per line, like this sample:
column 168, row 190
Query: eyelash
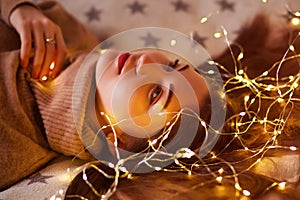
column 155, row 94
column 173, row 64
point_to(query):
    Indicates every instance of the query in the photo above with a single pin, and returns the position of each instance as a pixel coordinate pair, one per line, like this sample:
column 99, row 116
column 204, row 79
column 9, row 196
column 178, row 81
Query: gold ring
column 50, row 40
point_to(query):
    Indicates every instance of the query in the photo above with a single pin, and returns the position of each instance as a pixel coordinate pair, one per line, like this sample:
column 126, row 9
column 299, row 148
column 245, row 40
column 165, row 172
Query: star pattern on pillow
column 150, row 40
column 200, row 39
column 137, row 7
column 180, row 5
column 225, row 5
column 38, row 178
column 93, row 14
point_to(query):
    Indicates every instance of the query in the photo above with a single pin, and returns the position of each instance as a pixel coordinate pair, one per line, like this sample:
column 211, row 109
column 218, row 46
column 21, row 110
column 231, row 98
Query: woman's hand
column 40, row 37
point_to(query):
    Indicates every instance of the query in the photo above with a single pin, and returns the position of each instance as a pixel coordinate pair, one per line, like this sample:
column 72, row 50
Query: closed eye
column 155, row 94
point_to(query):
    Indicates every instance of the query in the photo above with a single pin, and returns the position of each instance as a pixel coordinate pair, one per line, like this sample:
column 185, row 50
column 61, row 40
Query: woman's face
column 142, row 90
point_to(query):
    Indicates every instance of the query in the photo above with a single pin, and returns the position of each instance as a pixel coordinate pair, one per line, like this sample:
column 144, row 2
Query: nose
column 143, row 63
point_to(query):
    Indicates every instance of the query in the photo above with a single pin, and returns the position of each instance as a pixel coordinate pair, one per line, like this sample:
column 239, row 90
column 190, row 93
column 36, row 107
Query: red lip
column 121, row 61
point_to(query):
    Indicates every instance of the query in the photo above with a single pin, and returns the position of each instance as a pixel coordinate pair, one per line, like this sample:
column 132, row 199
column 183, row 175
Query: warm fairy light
column 282, row 185
column 246, row 98
column 292, row 48
column 264, row 1
column 210, row 72
column 52, row 65
column 213, row 155
column 217, row 35
column 61, row 192
column 84, row 177
column 295, row 21
column 242, row 113
column 129, row 176
column 238, row 187
column 219, row 179
column 293, row 148
column 203, row 20
column 240, row 72
column 221, row 171
column 44, row 78
column 241, row 56
column 102, row 51
column 173, row 42
column 157, row 168
column 246, row 193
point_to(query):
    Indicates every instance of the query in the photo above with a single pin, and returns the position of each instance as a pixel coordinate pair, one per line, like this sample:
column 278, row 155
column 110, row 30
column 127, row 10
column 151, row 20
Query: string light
column 262, row 88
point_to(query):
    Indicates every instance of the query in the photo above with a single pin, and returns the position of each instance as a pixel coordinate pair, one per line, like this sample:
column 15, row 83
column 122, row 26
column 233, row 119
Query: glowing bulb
column 84, row 177
column 292, row 48
column 246, row 193
column 280, row 100
column 203, row 20
column 217, row 35
column 53, row 197
column 211, row 72
column 237, row 186
column 111, row 165
column 189, row 173
column 246, row 98
column 44, row 78
column 295, row 85
column 293, row 148
column 265, row 73
column 102, row 51
column 157, row 168
column 281, row 186
column 221, row 171
column 52, row 65
column 153, row 142
column 241, row 56
column 213, row 155
column 264, row 1
column 173, row 42
column 61, row 191
column 240, row 72
column 295, row 21
column 242, row 113
column 219, row 179
column 129, row 176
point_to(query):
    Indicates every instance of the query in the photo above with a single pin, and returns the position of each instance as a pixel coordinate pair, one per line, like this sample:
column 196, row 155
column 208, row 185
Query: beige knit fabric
column 55, row 99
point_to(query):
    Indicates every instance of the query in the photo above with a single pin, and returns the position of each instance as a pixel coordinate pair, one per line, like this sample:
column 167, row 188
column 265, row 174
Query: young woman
column 260, row 74
column 83, row 113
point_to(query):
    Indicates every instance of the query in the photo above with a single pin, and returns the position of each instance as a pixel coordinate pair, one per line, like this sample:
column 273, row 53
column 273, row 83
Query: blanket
column 23, row 144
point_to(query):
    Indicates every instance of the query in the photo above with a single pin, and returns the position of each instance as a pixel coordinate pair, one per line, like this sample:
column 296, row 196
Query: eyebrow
column 183, row 68
column 169, row 96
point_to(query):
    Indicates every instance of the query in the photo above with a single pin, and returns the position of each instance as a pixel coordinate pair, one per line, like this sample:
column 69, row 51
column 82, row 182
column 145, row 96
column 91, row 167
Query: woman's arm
column 39, row 37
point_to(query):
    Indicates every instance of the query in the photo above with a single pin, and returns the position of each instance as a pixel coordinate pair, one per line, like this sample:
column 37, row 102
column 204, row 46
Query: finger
column 26, row 44
column 60, row 55
column 39, row 50
column 49, row 56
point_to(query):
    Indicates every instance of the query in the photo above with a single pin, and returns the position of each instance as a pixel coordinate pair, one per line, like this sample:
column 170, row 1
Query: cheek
column 138, row 106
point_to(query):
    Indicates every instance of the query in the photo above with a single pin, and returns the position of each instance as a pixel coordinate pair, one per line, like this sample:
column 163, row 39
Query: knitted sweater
column 67, row 107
